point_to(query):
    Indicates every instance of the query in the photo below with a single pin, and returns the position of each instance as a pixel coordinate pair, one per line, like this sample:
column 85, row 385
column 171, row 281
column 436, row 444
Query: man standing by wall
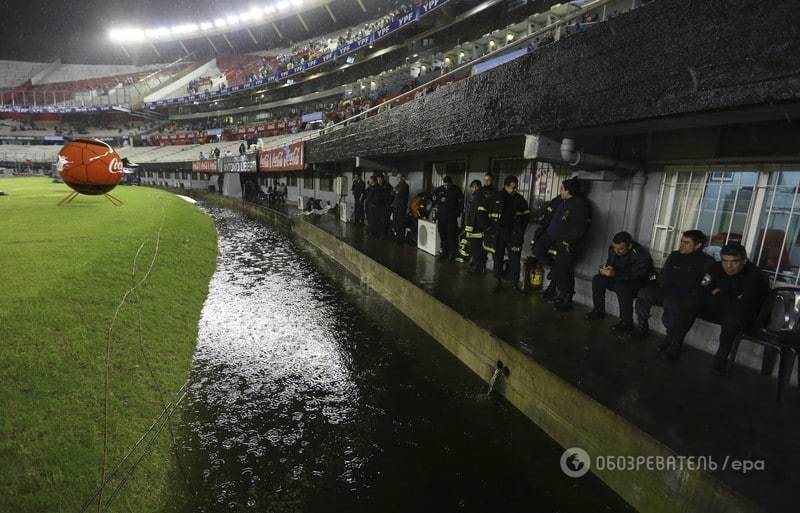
column 562, row 233
column 400, row 210
column 508, row 214
column 449, row 203
column 474, row 226
column 358, row 190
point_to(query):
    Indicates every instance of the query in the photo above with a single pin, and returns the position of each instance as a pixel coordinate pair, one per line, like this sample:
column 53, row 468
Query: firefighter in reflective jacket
column 508, row 215
column 475, row 222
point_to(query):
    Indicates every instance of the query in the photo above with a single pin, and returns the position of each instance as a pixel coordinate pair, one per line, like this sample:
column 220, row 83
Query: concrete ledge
column 565, row 413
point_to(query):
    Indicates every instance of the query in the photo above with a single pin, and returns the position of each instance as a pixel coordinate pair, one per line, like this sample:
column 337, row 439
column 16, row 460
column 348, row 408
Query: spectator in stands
column 216, row 153
column 682, row 273
column 628, row 269
column 201, row 156
column 285, row 191
column 731, row 295
column 242, row 148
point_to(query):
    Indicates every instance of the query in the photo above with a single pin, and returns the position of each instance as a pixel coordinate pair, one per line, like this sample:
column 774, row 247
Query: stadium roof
column 77, row 32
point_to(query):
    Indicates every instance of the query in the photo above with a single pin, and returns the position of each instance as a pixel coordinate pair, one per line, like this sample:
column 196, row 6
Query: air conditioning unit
column 345, row 214
column 300, row 202
column 340, row 186
column 427, row 238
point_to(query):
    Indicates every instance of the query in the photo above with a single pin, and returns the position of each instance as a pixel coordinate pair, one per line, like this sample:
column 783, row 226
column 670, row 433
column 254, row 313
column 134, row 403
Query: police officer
column 628, row 268
column 449, row 203
column 385, row 209
column 682, row 272
column 560, row 238
column 371, row 202
column 731, row 295
column 358, row 191
column 508, row 214
column 474, row 224
column 400, row 210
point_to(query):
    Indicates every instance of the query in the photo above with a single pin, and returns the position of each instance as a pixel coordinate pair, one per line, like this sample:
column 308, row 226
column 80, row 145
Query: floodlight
column 232, row 19
column 206, row 25
column 269, row 9
column 283, row 5
column 219, row 22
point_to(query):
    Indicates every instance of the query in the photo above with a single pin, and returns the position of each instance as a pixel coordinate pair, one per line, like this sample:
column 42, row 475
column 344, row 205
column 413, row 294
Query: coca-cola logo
column 115, row 167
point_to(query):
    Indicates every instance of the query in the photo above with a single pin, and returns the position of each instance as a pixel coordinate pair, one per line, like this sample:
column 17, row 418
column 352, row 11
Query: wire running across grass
column 132, row 291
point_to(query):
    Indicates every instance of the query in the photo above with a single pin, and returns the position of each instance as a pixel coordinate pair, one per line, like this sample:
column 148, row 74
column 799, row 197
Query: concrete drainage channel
column 566, row 414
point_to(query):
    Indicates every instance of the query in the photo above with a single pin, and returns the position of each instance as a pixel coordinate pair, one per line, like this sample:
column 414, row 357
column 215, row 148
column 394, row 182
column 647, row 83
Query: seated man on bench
column 731, row 295
column 682, row 273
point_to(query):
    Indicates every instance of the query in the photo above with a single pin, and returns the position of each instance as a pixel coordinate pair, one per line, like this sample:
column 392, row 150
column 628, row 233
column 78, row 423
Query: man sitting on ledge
column 731, row 295
column 682, row 272
column 628, row 269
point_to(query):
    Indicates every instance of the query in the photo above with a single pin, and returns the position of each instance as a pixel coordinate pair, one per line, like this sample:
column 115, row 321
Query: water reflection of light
column 268, row 351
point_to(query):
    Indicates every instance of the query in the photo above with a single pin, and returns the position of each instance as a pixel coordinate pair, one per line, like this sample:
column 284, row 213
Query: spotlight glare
column 206, row 25
column 283, row 5
column 219, row 22
column 232, row 19
column 269, row 9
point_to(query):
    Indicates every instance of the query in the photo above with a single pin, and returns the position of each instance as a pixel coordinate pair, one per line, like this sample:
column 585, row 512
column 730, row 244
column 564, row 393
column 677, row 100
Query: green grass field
column 63, row 271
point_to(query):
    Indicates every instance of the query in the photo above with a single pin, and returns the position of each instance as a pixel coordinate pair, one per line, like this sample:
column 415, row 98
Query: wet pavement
column 683, row 404
column 309, row 392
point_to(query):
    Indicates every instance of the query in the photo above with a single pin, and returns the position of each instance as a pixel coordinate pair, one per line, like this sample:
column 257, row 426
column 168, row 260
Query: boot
column 672, row 350
column 564, row 303
column 642, row 331
column 594, row 315
column 622, row 327
column 720, row 366
column 550, row 292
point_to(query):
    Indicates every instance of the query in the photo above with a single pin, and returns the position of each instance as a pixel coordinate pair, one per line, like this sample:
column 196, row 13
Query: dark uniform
column 680, row 275
column 561, row 237
column 476, row 220
column 633, row 270
column 449, row 203
column 386, row 210
column 400, row 211
column 508, row 216
column 734, row 307
column 358, row 191
column 372, row 202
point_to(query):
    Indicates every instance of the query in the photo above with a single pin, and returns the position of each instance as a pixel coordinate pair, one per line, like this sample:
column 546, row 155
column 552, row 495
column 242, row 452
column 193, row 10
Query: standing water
column 310, row 393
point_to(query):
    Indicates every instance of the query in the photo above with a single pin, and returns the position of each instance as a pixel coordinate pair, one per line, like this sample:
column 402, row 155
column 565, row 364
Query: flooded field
column 311, row 393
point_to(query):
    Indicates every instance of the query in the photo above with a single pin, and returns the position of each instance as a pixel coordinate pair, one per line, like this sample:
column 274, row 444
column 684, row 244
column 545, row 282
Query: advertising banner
column 246, row 163
column 205, row 166
column 288, row 158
